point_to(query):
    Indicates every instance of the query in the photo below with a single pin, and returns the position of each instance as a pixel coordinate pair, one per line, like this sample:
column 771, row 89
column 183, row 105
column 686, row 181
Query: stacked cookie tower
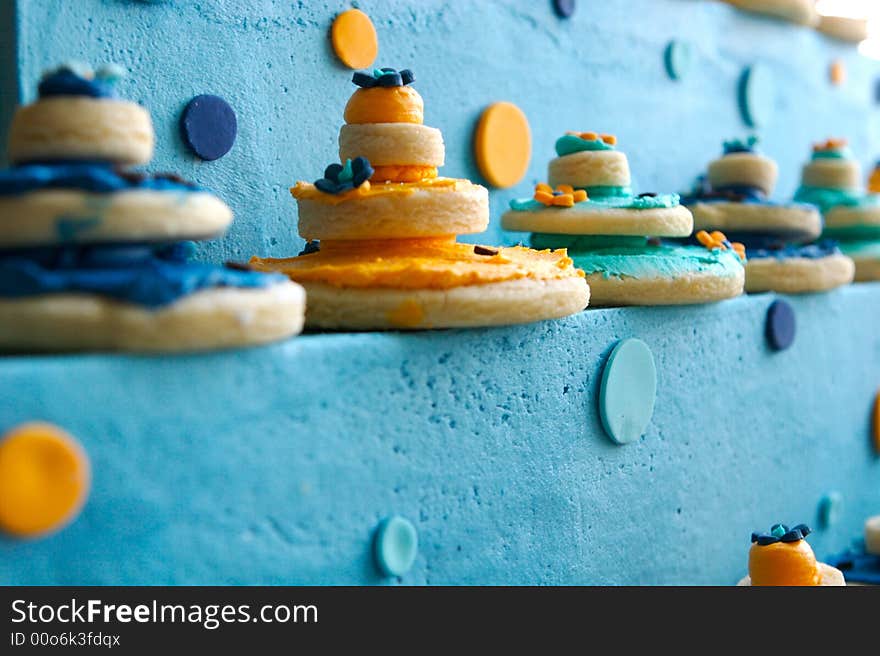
column 382, row 228
column 612, row 234
column 92, row 256
column 734, row 198
column 832, row 180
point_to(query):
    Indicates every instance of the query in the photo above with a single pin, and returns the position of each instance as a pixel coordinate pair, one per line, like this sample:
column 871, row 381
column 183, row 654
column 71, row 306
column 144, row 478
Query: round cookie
column 440, row 206
column 844, row 28
column 832, row 173
column 431, row 283
column 743, row 168
column 602, row 219
column 385, row 144
column 866, row 257
column 798, row 275
column 209, row 319
column 63, row 216
column 590, row 168
column 494, row 304
column 81, row 128
column 802, row 12
column 842, row 217
column 800, row 222
column 644, row 274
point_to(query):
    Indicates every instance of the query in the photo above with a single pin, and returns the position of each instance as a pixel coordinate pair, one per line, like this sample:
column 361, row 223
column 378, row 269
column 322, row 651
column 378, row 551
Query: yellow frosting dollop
column 403, row 173
column 385, row 105
column 428, row 263
column 783, row 563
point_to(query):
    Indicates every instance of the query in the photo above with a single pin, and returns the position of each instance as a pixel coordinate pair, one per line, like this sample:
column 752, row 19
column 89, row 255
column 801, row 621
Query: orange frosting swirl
column 403, row 173
column 385, row 105
column 426, row 263
column 783, row 563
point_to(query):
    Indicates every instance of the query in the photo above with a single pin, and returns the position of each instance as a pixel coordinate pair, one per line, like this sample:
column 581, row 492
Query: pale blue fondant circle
column 678, row 59
column 829, row 509
column 626, row 395
column 757, row 97
column 396, row 546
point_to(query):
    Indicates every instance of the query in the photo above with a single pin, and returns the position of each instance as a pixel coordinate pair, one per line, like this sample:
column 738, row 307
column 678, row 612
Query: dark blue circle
column 781, row 325
column 208, row 126
column 564, row 8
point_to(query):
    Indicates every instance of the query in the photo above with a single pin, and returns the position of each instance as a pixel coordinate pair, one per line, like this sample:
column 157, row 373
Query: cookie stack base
column 210, row 319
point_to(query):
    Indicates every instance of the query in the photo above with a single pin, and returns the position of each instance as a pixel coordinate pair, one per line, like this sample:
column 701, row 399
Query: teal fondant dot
column 627, row 391
column 829, row 509
column 678, row 59
column 396, row 546
column 757, row 95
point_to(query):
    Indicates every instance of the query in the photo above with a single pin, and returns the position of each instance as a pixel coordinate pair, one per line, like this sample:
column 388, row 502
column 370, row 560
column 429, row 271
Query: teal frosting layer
column 600, row 202
column 636, row 258
column 568, row 144
column 839, row 153
column 861, row 249
column 825, row 198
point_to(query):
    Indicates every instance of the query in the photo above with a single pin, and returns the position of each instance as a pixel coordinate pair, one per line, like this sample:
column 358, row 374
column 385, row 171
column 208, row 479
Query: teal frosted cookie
column 592, row 211
column 832, row 182
column 734, row 198
column 639, row 271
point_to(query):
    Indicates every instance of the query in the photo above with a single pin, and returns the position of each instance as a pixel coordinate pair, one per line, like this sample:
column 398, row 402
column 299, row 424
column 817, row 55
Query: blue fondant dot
column 396, row 546
column 208, row 126
column 781, row 325
column 564, row 8
column 757, row 95
column 627, row 391
column 678, row 59
column 829, row 509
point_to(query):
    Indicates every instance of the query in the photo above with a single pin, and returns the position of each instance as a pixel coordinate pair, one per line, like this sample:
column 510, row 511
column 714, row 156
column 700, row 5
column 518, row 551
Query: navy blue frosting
column 64, row 82
column 147, row 276
column 818, row 250
column 96, row 177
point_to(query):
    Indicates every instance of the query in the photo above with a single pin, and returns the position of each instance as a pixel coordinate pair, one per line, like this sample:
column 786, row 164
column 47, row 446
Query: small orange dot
column 44, row 479
column 503, row 144
column 354, row 39
column 837, row 72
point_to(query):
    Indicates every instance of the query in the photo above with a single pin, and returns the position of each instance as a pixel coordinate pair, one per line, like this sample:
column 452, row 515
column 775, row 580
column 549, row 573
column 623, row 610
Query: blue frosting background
column 275, row 465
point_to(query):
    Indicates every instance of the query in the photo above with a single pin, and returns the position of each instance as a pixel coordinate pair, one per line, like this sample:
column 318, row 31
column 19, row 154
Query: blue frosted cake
column 542, row 453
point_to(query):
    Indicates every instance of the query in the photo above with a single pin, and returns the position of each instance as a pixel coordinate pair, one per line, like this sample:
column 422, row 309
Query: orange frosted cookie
column 783, row 557
column 387, row 225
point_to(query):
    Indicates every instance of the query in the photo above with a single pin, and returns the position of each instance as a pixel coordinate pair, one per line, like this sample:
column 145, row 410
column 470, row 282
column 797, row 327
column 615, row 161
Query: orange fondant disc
column 503, row 144
column 44, row 479
column 837, row 72
column 354, row 39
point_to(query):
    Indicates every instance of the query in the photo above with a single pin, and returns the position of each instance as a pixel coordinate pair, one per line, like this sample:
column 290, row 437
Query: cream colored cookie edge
column 393, row 144
column 56, row 216
column 80, row 128
column 209, row 319
column 472, row 306
column 691, row 289
column 657, row 222
column 798, row 275
column 590, row 168
column 752, row 217
column 802, row 12
column 844, row 216
column 744, row 169
column 422, row 213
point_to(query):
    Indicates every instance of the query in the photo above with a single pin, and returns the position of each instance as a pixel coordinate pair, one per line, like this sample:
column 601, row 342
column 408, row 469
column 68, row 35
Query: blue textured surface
column 601, row 70
column 274, row 465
